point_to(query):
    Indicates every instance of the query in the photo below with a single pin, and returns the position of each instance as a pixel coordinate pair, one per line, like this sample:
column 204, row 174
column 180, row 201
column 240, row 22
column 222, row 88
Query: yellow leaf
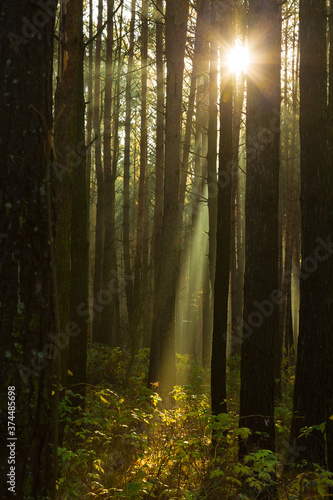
column 53, row 393
column 331, row 417
column 104, row 400
column 70, row 373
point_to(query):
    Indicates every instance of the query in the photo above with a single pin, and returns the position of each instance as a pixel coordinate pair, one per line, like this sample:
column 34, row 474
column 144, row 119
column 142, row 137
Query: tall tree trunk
column 77, row 356
column 159, row 161
column 212, row 142
column 284, row 233
column 221, row 286
column 97, row 334
column 126, row 204
column 295, row 181
column 107, row 318
column 28, row 318
column 329, row 210
column 312, row 354
column 236, row 225
column 139, row 272
column 211, row 177
column 65, row 143
column 90, row 99
column 261, row 294
column 158, row 208
column 162, row 358
column 116, row 335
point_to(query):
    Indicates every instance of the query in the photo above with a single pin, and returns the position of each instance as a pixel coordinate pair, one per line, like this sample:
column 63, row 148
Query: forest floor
column 127, row 445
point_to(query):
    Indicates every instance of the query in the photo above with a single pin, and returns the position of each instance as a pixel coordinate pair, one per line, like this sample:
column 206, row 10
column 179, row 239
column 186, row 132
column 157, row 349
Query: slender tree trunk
column 284, row 240
column 212, row 144
column 312, row 354
column 77, row 356
column 329, row 210
column 236, row 224
column 99, row 226
column 211, row 178
column 221, row 286
column 158, row 208
column 261, row 294
column 139, row 272
column 294, row 165
column 117, row 338
column 127, row 159
column 28, row 314
column 162, row 358
column 90, row 100
column 65, row 142
column 107, row 318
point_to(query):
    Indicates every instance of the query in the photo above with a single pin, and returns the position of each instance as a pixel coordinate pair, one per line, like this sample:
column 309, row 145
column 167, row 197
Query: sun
column 238, row 59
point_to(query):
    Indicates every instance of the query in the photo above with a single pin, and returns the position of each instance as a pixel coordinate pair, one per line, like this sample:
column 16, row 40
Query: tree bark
column 77, row 355
column 109, row 271
column 261, row 295
column 212, row 143
column 140, row 274
column 97, row 334
column 126, row 203
column 312, row 360
column 222, row 270
column 329, row 210
column 236, row 225
column 27, row 313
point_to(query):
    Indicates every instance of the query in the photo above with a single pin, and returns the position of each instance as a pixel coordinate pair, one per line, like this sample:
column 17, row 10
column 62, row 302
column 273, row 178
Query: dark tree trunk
column 158, row 208
column 212, row 143
column 140, row 273
column 27, row 316
column 329, row 210
column 114, row 313
column 77, row 355
column 66, row 159
column 126, row 203
column 97, row 333
column 312, row 352
column 261, row 294
column 162, row 358
column 109, row 272
column 90, row 99
column 221, row 286
column 236, row 226
column 211, row 180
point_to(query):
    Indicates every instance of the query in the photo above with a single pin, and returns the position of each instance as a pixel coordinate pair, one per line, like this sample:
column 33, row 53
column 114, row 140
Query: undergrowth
column 127, row 445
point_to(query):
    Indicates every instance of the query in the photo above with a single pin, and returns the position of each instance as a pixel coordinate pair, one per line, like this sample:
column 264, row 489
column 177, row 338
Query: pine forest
column 166, row 249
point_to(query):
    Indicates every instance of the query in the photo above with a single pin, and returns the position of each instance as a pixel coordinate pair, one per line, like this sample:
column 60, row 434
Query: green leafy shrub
column 105, row 364
column 128, row 445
